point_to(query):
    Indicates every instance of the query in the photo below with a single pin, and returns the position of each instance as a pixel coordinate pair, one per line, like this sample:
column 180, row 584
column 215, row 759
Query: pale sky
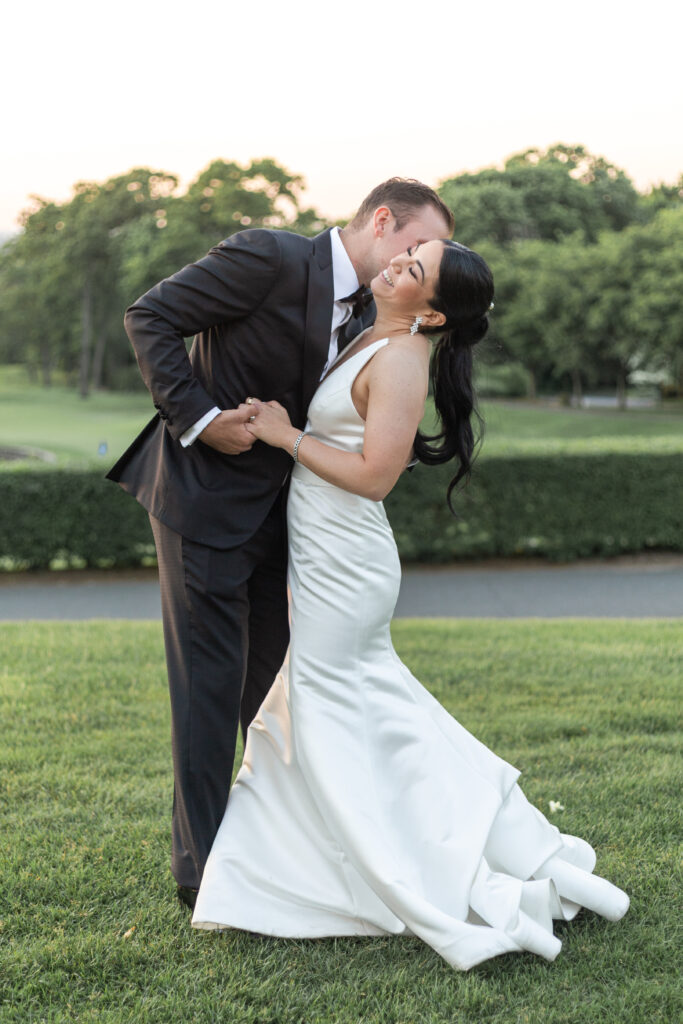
column 345, row 94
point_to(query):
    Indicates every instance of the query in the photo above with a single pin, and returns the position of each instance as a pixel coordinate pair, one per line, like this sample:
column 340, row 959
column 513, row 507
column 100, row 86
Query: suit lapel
column 319, row 302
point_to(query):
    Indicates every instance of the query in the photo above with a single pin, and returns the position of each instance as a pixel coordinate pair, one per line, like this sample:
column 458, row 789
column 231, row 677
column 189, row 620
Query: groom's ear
column 382, row 219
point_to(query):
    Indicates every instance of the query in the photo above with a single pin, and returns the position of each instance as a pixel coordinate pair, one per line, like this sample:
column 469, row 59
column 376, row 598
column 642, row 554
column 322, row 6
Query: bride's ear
column 433, row 319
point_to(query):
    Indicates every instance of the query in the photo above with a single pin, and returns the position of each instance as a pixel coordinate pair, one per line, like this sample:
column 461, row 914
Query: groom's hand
column 227, row 432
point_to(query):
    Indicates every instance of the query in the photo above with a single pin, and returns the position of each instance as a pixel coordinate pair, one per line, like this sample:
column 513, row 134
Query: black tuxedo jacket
column 260, row 307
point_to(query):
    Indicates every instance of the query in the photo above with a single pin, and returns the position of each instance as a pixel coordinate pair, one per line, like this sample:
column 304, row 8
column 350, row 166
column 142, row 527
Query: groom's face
column 426, row 224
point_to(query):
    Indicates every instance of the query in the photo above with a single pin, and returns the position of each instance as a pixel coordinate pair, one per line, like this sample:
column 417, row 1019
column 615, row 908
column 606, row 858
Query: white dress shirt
column 345, row 281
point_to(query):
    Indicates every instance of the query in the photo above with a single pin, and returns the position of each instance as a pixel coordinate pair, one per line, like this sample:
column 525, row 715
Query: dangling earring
column 415, row 327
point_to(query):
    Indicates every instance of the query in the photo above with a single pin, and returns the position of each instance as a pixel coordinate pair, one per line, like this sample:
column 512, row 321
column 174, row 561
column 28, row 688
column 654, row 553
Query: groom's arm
column 227, row 284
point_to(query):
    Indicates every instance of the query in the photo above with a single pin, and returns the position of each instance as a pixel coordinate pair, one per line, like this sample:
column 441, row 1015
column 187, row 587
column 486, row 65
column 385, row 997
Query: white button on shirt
column 345, row 281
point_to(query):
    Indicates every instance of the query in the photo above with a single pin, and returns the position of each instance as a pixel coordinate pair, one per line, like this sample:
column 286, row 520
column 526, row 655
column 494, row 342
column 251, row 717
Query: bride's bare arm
column 396, row 391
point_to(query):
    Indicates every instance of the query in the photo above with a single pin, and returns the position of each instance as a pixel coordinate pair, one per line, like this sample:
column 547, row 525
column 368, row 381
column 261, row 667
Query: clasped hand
column 234, row 431
column 268, row 421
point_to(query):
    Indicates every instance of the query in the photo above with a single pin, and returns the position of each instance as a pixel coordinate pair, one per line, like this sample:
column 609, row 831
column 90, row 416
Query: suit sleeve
column 227, row 284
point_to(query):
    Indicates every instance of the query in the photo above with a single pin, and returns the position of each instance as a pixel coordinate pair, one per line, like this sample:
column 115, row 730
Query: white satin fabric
column 362, row 807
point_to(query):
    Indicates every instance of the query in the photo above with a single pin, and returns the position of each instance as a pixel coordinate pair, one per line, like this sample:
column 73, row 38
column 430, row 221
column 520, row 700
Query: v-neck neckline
column 344, row 356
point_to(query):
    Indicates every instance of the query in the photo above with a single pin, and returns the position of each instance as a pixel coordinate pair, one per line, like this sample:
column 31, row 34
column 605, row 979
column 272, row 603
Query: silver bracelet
column 295, row 451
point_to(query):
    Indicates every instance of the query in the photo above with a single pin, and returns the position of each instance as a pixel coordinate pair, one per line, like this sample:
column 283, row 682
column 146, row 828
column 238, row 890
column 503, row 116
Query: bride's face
column 407, row 284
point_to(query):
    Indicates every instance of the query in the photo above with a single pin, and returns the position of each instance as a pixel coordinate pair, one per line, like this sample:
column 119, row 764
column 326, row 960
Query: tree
column 223, row 199
column 67, row 279
column 489, row 210
column 544, row 195
column 59, row 277
column 595, row 312
column 94, row 218
column 614, row 317
column 662, row 197
column 518, row 324
column 577, row 267
column 655, row 310
column 566, row 293
column 35, row 287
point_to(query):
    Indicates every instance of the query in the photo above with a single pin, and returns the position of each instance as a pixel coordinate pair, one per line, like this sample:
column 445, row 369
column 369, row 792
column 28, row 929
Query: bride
column 362, row 807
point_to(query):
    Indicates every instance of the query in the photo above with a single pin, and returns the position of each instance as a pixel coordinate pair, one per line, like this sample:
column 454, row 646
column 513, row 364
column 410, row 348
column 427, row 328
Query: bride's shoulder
column 399, row 362
column 400, row 351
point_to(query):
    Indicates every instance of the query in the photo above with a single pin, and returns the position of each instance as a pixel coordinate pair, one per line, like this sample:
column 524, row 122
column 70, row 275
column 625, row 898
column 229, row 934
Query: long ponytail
column 463, row 295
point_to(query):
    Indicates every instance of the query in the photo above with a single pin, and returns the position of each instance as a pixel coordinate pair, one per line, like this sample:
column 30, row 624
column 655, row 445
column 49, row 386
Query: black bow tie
column 360, row 299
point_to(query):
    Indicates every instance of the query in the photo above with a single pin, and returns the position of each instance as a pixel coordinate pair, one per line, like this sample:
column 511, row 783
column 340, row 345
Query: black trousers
column 226, row 633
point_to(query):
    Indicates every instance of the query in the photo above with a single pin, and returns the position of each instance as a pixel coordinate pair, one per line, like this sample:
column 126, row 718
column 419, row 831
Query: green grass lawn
column 90, row 928
column 72, row 428
column 527, row 427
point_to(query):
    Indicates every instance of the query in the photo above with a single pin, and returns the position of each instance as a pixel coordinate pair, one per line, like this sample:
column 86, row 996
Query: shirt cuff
column 193, row 432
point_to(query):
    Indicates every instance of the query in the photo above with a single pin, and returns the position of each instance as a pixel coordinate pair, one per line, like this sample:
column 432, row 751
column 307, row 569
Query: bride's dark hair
column 464, row 292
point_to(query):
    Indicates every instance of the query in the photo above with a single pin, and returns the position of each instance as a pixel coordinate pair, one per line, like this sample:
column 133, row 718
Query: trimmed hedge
column 70, row 518
column 561, row 506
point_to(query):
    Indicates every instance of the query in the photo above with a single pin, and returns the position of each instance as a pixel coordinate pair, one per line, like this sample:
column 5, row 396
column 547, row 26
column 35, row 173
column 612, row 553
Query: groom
column 269, row 310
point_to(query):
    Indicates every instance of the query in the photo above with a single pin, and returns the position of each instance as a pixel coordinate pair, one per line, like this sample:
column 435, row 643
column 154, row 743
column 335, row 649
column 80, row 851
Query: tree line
column 589, row 272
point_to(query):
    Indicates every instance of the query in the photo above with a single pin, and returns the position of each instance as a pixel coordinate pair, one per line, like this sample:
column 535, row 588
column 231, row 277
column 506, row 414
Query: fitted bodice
column 332, row 416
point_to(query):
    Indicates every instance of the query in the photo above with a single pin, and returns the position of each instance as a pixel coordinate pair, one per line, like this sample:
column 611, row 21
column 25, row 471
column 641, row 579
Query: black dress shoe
column 187, row 895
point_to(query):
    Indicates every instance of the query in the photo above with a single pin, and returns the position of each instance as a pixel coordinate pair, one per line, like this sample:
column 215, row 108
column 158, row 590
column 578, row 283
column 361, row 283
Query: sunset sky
column 345, row 94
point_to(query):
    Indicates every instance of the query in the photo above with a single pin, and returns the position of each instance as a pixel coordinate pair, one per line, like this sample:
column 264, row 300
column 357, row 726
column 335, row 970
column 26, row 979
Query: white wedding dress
column 362, row 807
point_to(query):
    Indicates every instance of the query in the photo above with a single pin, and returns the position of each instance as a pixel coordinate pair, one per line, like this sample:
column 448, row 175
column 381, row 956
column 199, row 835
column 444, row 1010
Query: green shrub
column 560, row 506
column 69, row 518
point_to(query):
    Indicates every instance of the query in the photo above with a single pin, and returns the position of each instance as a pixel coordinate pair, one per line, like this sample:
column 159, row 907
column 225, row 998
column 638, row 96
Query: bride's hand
column 270, row 423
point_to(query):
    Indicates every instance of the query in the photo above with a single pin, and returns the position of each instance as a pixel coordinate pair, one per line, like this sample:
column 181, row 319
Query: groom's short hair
column 404, row 197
